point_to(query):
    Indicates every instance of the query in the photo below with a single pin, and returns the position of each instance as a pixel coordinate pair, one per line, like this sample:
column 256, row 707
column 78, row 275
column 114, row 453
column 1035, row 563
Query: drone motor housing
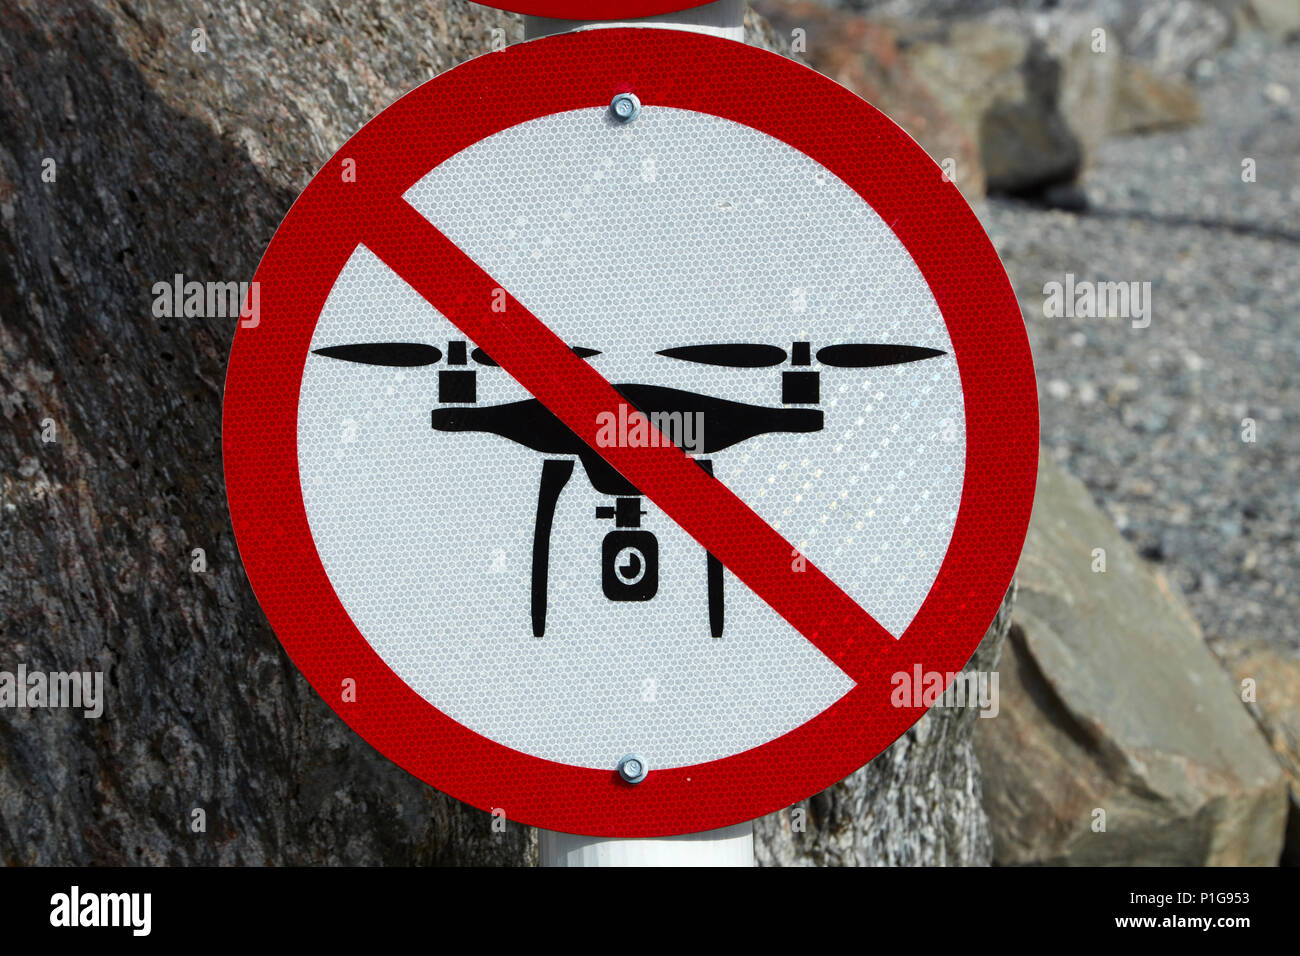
column 457, row 386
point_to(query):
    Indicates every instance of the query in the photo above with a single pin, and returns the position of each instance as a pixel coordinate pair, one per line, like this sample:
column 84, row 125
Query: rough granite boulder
column 917, row 804
column 1144, row 102
column 1269, row 680
column 1171, row 35
column 1035, row 86
column 1003, row 86
column 1040, row 92
column 170, row 160
column 1112, row 703
column 865, row 57
column 1281, row 18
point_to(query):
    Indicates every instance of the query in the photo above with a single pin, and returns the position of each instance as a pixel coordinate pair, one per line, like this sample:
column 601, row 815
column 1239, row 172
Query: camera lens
column 630, row 565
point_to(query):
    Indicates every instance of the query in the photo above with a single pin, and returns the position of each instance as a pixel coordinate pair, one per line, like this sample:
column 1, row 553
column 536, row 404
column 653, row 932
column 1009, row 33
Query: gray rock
column 1089, row 73
column 1281, row 18
column 1035, row 86
column 1268, row 679
column 917, row 804
column 1172, row 207
column 1111, row 702
column 1043, row 93
column 1172, row 36
column 865, row 57
column 1027, row 144
column 173, row 161
column 1001, row 88
column 1144, row 101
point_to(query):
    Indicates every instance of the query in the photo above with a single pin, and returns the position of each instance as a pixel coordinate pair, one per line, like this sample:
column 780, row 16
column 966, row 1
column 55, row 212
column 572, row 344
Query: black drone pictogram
column 630, row 554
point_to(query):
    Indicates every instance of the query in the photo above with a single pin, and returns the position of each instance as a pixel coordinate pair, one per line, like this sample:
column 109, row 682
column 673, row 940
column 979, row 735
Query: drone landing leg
column 556, row 473
column 714, row 578
column 715, row 596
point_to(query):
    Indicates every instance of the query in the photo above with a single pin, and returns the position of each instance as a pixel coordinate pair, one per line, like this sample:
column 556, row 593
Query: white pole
column 723, row 18
column 731, row 846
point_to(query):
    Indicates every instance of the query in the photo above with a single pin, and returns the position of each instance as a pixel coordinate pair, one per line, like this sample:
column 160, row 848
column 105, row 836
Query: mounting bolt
column 633, row 768
column 625, row 107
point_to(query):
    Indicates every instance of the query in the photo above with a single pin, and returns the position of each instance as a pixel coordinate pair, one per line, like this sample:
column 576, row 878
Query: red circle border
column 572, row 71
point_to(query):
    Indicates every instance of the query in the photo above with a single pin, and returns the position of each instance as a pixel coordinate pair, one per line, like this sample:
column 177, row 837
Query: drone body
column 699, row 424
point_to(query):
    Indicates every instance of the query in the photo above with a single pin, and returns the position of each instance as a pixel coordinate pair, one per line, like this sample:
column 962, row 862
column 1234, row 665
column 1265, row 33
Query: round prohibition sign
column 358, row 204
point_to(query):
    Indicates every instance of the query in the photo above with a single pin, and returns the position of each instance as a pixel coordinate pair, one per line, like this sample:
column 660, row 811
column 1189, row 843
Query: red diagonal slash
column 576, row 393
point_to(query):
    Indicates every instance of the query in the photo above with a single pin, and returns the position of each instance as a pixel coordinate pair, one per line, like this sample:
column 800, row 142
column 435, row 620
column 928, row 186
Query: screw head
column 633, row 768
column 625, row 107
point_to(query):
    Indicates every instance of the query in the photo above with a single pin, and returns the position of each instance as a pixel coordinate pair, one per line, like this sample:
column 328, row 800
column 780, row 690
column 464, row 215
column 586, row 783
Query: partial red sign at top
column 594, row 9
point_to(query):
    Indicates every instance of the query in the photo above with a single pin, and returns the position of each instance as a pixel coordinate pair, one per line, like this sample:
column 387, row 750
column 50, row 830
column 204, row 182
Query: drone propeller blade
column 393, row 354
column 478, row 355
column 862, row 355
column 735, row 355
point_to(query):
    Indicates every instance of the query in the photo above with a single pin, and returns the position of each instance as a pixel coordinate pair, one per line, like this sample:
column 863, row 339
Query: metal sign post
column 722, row 18
column 730, row 846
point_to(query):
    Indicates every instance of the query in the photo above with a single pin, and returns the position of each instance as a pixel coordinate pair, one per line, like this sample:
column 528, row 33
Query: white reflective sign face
column 680, row 229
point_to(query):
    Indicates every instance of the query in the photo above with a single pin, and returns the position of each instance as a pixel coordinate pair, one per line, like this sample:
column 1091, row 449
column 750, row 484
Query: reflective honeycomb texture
column 676, row 229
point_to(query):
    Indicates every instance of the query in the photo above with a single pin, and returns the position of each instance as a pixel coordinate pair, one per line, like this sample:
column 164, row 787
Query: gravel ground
column 1151, row 419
